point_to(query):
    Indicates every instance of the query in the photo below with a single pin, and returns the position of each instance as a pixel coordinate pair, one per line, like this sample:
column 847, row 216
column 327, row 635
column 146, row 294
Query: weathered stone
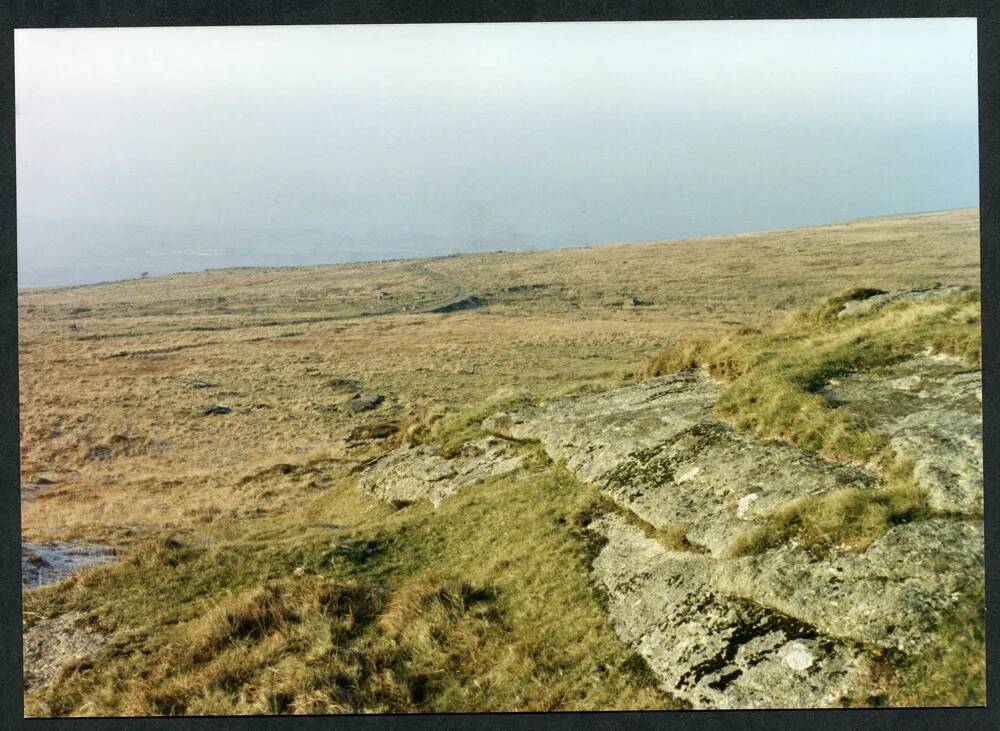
column 719, row 483
column 930, row 409
column 859, row 308
column 52, row 643
column 595, row 433
column 357, row 404
column 892, row 595
column 708, row 649
column 656, row 449
column 416, row 473
column 216, row 409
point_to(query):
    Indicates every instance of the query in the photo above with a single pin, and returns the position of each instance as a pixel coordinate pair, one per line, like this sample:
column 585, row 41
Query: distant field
column 114, row 378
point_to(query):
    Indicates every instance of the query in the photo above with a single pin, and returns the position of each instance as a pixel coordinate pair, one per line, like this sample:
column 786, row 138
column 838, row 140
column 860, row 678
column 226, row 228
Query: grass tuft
column 776, row 378
column 846, row 520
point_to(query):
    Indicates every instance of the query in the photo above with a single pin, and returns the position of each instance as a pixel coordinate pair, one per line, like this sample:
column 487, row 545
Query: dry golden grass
column 485, row 602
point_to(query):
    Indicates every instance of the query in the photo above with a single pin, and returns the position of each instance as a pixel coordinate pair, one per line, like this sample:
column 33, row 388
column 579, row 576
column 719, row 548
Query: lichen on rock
column 416, row 473
column 930, row 409
column 709, row 649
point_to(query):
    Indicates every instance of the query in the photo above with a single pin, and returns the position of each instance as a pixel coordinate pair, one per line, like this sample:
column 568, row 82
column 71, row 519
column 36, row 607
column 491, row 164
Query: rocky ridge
column 781, row 628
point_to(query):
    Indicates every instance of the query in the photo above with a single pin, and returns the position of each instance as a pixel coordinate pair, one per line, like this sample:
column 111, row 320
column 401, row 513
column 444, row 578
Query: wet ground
column 45, row 563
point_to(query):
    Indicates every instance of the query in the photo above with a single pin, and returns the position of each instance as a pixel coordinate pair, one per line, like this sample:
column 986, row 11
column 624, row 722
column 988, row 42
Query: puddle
column 46, row 563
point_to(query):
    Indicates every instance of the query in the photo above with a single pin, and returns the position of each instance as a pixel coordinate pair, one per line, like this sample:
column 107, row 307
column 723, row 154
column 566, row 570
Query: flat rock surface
column 859, row 308
column 416, row 473
column 50, row 644
column 656, row 449
column 892, row 595
column 711, row 650
column 930, row 408
column 718, row 483
column 595, row 433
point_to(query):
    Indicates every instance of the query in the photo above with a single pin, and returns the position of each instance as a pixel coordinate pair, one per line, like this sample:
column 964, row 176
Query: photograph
column 436, row 368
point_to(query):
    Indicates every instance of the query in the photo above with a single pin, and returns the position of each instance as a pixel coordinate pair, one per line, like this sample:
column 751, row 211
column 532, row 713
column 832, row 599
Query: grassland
column 254, row 578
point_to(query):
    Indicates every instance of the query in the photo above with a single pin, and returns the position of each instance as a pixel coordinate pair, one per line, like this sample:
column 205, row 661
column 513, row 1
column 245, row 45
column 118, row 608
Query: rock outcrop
column 51, row 644
column 784, row 628
column 892, row 595
column 868, row 305
column 416, row 473
column 930, row 408
column 712, row 650
column 656, row 449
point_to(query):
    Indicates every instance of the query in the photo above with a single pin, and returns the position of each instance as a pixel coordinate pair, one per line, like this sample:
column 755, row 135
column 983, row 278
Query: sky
column 180, row 149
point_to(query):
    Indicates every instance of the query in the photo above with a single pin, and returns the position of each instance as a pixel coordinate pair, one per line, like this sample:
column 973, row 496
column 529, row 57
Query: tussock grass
column 775, row 381
column 481, row 605
column 775, row 378
column 845, row 520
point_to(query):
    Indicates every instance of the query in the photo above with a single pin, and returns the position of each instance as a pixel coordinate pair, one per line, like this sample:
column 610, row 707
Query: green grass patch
column 845, row 520
column 775, row 381
column 481, row 605
column 775, row 378
column 450, row 431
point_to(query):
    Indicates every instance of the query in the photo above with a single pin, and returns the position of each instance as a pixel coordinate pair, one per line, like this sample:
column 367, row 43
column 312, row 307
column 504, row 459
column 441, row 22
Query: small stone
column 193, row 383
column 798, row 657
column 216, row 409
column 743, row 505
column 363, row 403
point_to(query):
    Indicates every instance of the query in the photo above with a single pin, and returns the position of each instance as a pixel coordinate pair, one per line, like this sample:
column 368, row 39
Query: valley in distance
column 729, row 472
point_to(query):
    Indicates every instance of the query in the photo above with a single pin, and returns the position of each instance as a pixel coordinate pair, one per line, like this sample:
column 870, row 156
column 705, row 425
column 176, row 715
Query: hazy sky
column 188, row 148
